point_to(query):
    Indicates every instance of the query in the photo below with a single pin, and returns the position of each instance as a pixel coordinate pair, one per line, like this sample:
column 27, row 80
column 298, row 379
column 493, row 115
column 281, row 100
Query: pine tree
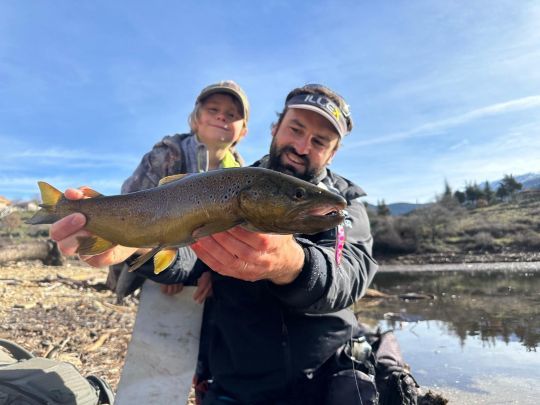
column 382, row 209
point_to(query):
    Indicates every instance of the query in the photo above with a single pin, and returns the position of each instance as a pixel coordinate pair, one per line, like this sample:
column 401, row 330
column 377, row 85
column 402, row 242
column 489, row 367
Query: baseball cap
column 322, row 100
column 230, row 87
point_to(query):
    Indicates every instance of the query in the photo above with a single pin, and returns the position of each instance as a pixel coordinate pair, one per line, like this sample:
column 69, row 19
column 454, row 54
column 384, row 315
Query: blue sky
column 438, row 89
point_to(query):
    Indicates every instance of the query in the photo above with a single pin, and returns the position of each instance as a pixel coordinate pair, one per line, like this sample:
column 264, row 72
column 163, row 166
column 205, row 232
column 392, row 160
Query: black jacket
column 264, row 336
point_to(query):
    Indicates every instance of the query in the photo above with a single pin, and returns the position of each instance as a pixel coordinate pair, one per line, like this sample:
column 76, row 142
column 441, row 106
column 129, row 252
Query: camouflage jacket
column 174, row 154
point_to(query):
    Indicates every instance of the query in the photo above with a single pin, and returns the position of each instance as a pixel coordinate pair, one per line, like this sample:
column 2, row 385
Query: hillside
column 450, row 232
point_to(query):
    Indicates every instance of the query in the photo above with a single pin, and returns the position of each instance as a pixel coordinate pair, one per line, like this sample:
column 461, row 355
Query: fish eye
column 299, row 193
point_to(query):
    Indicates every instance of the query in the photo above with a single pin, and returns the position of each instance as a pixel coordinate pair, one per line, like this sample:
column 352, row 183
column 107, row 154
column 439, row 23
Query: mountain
column 529, row 181
column 398, row 208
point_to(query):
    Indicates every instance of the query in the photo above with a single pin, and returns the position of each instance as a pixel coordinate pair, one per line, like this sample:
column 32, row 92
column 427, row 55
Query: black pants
column 337, row 382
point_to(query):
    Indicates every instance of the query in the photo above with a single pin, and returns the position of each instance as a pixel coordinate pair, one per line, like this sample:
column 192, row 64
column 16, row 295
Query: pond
column 472, row 336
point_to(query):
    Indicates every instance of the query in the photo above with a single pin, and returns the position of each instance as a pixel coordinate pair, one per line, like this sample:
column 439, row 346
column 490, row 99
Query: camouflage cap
column 230, row 87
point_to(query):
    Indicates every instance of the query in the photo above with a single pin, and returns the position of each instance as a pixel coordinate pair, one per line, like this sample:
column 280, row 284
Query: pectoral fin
column 93, row 245
column 174, row 177
column 143, row 258
column 163, row 259
column 213, row 227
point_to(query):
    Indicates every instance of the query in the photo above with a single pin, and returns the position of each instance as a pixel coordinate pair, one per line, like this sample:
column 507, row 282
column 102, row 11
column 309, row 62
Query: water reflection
column 490, row 306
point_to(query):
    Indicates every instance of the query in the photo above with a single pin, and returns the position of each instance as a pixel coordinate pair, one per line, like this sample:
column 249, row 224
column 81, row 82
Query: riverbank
column 459, row 258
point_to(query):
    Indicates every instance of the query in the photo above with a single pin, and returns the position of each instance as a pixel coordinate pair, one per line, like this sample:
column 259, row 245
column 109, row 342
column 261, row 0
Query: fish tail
column 50, row 197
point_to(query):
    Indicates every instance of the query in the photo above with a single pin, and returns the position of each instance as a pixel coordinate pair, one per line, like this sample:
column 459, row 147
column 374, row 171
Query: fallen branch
column 46, row 251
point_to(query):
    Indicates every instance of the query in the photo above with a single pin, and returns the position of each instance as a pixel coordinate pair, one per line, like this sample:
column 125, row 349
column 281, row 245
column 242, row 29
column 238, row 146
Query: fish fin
column 50, row 197
column 163, row 259
column 212, row 227
column 90, row 193
column 250, row 227
column 142, row 259
column 93, row 245
column 171, row 178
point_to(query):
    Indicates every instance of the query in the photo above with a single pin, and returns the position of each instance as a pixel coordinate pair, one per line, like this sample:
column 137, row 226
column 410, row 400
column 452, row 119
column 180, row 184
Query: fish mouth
column 326, row 211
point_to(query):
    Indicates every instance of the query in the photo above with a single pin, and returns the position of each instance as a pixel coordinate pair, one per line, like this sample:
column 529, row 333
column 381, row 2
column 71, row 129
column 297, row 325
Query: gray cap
column 230, row 87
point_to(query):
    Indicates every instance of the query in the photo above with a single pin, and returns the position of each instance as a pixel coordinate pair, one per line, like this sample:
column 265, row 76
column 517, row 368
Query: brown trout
column 184, row 208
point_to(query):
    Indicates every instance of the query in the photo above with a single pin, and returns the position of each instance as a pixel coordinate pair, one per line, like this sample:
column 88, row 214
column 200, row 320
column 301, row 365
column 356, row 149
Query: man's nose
column 302, row 146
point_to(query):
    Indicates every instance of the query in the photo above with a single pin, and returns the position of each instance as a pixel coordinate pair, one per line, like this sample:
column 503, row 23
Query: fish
column 186, row 207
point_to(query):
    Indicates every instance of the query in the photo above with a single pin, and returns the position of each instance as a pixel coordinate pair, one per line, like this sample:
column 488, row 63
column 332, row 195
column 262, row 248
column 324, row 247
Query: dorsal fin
column 173, row 177
column 49, row 195
column 90, row 193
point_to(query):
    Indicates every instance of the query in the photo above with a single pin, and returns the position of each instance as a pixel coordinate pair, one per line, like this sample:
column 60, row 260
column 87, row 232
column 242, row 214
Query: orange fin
column 163, row 259
column 93, row 245
column 90, row 193
column 174, row 177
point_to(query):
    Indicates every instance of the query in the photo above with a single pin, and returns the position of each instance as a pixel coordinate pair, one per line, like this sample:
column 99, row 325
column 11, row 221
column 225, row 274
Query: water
column 473, row 336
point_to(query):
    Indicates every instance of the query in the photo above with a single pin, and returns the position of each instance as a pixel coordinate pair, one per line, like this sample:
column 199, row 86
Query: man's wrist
column 291, row 273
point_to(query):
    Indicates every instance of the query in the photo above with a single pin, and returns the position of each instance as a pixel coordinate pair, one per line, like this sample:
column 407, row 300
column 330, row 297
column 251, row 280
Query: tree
column 447, row 199
column 459, row 196
column 472, row 193
column 435, row 218
column 488, row 193
column 511, row 184
column 382, row 209
column 502, row 192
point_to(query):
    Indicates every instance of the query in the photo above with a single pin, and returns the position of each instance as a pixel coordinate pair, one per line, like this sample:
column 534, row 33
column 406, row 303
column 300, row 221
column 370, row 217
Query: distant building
column 26, row 206
column 4, row 202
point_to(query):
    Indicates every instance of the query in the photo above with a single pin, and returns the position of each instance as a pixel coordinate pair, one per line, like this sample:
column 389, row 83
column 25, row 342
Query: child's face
column 220, row 121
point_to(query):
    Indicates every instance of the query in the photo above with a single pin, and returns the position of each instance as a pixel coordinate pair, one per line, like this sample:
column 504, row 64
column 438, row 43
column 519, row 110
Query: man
column 280, row 314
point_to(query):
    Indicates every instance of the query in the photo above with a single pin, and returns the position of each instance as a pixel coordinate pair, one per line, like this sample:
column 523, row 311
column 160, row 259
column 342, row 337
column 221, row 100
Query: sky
column 439, row 90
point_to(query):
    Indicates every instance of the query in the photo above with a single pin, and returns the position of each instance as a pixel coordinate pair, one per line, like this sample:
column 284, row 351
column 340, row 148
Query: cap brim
column 227, row 90
column 319, row 111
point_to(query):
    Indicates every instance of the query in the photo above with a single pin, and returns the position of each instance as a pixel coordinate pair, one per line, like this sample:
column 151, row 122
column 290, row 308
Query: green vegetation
column 478, row 220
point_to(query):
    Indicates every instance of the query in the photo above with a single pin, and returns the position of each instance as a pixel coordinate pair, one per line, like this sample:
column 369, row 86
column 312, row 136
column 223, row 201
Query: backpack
column 29, row 380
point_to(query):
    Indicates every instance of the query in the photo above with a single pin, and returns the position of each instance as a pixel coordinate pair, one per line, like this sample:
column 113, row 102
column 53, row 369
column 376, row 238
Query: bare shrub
column 11, row 222
column 393, row 236
column 483, row 241
column 529, row 240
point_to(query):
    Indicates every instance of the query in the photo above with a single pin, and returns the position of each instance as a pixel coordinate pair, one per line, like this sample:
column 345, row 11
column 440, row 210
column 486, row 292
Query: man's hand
column 66, row 231
column 252, row 256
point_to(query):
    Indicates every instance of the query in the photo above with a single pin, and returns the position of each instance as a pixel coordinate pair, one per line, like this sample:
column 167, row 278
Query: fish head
column 278, row 203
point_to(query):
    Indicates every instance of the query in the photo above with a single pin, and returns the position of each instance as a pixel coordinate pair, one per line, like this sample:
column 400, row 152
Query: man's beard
column 275, row 163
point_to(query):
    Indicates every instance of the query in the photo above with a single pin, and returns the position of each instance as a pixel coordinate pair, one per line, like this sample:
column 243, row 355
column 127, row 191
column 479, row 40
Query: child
column 218, row 122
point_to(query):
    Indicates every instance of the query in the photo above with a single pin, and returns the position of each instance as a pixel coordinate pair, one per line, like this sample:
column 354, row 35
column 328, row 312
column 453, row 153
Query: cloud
column 439, row 126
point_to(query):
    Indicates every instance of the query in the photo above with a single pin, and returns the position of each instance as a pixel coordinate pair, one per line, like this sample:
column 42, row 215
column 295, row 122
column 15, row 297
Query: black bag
column 394, row 381
column 370, row 369
column 29, row 380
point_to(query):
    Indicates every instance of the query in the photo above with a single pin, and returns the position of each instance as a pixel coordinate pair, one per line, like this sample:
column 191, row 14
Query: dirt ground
column 66, row 313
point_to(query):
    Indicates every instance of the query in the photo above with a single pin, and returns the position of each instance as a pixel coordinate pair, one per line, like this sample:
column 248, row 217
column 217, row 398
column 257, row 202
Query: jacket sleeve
column 324, row 285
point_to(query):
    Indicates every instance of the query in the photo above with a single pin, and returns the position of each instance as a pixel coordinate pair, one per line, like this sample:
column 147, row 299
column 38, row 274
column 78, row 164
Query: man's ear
column 273, row 131
column 334, row 153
